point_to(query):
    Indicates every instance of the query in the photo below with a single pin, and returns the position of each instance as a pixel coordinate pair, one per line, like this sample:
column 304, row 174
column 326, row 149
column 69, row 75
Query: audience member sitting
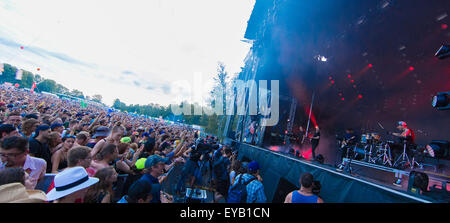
column 102, row 191
column 139, row 192
column 305, row 194
column 14, row 153
column 70, row 185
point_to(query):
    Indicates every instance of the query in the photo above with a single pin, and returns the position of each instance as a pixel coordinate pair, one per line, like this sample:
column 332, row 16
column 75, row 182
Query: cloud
column 165, row 88
column 44, row 53
column 127, row 72
column 137, row 83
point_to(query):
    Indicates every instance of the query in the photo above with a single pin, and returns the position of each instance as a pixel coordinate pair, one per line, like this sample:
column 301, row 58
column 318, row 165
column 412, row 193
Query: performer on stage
column 315, row 141
column 406, row 136
column 350, row 139
column 301, row 135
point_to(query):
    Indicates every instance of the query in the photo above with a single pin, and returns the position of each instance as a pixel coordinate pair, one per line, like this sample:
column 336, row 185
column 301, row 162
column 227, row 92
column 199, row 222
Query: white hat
column 17, row 193
column 70, row 181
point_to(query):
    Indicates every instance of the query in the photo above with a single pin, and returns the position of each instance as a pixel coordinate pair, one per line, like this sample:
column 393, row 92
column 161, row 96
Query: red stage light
column 360, row 96
column 330, row 78
column 411, row 68
column 352, row 81
column 342, row 99
column 38, row 69
column 349, row 76
column 444, row 26
column 332, row 82
column 21, row 47
column 370, row 65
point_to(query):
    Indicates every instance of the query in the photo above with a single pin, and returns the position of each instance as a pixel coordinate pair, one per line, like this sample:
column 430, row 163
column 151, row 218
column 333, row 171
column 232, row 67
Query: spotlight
column 441, row 101
column 443, row 52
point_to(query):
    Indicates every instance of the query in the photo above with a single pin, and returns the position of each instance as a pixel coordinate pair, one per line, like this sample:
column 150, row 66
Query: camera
column 316, row 186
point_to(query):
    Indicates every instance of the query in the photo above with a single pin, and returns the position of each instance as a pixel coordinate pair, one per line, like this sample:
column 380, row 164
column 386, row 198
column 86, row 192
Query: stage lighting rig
column 443, row 52
column 441, row 101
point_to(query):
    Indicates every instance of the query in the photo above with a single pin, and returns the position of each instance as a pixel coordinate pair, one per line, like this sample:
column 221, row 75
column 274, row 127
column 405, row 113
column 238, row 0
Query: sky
column 136, row 51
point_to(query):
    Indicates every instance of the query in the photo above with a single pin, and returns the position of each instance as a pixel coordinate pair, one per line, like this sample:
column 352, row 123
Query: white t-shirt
column 35, row 167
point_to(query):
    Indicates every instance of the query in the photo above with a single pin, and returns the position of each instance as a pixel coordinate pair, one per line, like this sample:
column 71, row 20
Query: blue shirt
column 123, row 200
column 156, row 187
column 300, row 198
column 255, row 189
column 220, row 168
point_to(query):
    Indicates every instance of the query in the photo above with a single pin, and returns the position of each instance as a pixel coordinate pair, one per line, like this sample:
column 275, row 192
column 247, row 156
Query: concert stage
column 281, row 173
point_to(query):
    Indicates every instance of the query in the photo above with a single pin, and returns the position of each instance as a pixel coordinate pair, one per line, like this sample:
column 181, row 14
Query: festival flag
column 33, row 87
column 83, row 104
column 19, row 74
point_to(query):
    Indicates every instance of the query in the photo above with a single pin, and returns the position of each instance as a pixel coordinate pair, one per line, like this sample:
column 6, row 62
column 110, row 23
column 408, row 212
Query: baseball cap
column 31, row 116
column 125, row 140
column 402, row 123
column 140, row 163
column 253, row 166
column 41, row 128
column 153, row 160
column 101, row 131
column 56, row 125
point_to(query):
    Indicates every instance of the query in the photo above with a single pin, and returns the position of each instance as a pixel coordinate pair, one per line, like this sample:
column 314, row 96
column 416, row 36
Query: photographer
column 307, row 193
column 220, row 167
column 193, row 156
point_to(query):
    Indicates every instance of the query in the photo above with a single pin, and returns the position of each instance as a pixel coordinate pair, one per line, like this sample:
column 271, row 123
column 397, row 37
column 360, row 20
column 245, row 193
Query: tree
column 216, row 123
column 97, row 98
column 47, row 85
column 77, row 93
column 61, row 89
column 9, row 74
column 27, row 79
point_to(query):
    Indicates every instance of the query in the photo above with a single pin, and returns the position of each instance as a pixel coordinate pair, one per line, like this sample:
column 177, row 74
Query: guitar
column 345, row 142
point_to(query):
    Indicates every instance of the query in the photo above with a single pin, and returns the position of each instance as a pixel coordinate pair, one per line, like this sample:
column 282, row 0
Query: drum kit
column 371, row 149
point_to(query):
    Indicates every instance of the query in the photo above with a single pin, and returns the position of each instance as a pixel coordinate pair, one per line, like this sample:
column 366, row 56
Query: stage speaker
column 283, row 189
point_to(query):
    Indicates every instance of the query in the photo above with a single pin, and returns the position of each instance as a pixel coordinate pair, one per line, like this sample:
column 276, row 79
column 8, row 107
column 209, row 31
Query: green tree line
column 42, row 84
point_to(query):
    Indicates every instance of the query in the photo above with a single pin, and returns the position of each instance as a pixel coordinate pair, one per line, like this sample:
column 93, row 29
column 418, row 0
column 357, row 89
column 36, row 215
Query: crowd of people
column 87, row 148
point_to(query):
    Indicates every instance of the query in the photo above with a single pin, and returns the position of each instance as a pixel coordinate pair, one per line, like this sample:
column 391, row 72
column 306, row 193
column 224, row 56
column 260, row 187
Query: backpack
column 238, row 192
